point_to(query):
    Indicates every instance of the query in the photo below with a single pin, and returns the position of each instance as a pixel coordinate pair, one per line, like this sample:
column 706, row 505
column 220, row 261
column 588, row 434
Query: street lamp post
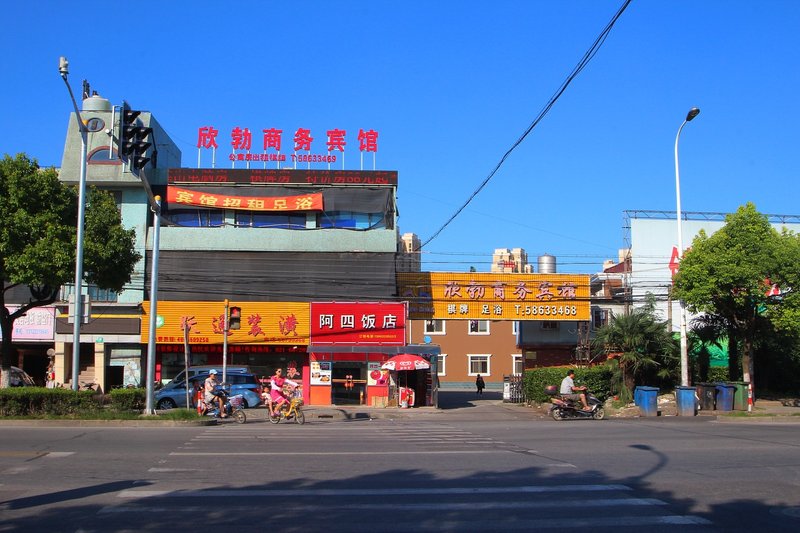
column 684, row 344
column 63, row 69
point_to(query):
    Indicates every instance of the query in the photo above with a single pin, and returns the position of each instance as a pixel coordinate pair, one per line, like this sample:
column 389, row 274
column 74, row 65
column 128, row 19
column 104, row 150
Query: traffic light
column 133, row 139
column 235, row 318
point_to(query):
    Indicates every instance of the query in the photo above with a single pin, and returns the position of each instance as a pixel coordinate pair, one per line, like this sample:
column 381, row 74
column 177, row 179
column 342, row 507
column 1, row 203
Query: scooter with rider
column 573, row 401
column 218, row 403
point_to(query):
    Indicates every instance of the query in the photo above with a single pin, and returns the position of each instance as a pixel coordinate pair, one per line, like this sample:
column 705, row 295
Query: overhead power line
column 578, row 68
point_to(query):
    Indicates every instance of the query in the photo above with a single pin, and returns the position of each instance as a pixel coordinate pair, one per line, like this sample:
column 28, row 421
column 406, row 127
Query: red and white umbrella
column 406, row 361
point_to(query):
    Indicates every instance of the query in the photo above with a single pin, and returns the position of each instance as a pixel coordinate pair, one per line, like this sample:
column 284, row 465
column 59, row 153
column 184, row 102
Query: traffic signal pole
column 225, row 343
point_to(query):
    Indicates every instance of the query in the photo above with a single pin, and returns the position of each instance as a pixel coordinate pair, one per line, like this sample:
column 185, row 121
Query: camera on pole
column 133, row 138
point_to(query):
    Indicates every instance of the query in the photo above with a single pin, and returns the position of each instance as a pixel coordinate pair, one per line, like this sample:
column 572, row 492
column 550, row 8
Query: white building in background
column 510, row 261
column 409, row 256
column 652, row 236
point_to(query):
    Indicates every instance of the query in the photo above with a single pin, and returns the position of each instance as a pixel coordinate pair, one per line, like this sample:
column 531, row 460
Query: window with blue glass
column 351, row 220
column 254, row 219
column 197, row 218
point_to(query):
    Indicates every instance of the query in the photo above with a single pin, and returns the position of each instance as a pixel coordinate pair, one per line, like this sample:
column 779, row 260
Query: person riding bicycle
column 211, row 395
column 276, row 396
column 570, row 391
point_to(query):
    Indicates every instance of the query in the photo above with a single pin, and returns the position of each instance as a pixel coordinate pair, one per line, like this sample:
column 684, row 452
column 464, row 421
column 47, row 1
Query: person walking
column 479, row 384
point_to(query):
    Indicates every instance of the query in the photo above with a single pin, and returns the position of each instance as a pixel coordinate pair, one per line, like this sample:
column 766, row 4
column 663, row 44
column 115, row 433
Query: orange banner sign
column 305, row 202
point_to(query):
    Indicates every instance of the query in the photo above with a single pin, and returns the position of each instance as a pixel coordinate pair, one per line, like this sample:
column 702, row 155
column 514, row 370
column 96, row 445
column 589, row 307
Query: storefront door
column 349, row 383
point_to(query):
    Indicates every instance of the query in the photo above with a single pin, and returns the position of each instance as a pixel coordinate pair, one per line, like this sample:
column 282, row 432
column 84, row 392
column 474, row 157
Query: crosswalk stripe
column 397, row 491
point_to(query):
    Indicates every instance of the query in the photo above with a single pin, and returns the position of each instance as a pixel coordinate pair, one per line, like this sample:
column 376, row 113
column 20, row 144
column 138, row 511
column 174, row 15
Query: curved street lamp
column 693, row 112
column 63, row 70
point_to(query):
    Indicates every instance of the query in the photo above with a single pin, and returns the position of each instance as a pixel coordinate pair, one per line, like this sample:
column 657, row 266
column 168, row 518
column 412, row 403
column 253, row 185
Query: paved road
column 460, row 470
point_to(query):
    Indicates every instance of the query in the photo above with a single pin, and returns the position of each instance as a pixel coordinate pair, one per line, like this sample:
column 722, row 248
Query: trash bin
column 739, row 394
column 725, row 394
column 707, row 392
column 686, row 401
column 648, row 400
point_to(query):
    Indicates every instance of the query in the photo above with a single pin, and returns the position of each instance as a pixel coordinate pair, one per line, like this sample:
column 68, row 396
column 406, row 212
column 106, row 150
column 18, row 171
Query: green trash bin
column 739, row 395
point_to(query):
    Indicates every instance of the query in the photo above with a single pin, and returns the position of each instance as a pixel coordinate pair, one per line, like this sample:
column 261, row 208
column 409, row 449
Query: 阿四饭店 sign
column 495, row 296
column 379, row 323
column 260, row 323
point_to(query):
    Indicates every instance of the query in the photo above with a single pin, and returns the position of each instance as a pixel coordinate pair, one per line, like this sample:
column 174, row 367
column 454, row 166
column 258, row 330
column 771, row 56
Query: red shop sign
column 358, row 323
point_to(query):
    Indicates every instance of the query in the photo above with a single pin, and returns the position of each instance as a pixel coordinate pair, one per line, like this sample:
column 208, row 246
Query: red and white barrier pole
column 749, row 397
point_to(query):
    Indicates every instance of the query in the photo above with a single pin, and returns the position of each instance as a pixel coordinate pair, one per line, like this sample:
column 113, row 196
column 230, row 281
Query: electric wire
column 590, row 53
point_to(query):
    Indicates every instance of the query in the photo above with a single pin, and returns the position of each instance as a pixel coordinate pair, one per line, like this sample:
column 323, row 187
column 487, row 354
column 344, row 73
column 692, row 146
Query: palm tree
column 641, row 345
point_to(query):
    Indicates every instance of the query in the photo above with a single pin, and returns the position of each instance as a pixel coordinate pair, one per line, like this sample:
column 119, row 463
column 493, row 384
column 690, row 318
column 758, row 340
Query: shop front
column 349, row 344
column 267, row 336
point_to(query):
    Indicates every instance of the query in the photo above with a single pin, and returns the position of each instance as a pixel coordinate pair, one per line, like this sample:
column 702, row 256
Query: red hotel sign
column 358, row 323
column 303, row 202
column 282, row 176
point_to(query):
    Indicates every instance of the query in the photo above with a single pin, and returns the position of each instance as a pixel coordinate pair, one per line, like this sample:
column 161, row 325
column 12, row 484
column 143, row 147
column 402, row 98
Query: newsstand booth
column 349, row 343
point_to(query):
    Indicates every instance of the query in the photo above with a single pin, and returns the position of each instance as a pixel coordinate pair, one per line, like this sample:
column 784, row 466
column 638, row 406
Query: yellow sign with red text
column 495, row 296
column 261, row 323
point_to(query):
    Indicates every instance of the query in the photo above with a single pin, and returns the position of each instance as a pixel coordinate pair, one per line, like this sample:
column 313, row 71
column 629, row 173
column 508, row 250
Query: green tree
column 642, row 346
column 38, row 220
column 729, row 273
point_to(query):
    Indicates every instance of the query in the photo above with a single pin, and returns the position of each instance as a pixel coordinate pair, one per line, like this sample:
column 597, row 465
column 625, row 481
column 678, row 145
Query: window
column 255, row 219
column 599, row 317
column 351, row 220
column 441, row 369
column 552, row 326
column 478, row 327
column 99, row 156
column 517, row 364
column 479, row 364
column 434, row 327
column 197, row 218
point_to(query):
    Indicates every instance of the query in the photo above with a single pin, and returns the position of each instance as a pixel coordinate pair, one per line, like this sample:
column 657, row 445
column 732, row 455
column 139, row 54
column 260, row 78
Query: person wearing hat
column 210, row 396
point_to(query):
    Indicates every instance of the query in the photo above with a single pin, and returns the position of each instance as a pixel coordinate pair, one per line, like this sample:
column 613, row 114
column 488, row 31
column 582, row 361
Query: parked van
column 203, row 369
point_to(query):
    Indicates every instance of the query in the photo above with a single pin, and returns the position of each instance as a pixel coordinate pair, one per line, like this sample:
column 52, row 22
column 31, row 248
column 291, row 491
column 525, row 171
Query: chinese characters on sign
column 305, row 202
column 266, row 323
column 358, row 323
column 496, row 296
column 241, row 142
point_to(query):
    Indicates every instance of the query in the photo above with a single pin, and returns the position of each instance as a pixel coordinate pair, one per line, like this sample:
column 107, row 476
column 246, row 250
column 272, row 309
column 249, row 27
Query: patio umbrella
column 406, row 361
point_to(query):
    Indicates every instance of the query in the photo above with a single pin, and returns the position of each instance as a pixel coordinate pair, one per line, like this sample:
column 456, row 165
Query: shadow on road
column 460, row 399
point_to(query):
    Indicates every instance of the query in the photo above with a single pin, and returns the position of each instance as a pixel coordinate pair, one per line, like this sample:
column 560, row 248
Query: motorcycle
column 233, row 406
column 564, row 408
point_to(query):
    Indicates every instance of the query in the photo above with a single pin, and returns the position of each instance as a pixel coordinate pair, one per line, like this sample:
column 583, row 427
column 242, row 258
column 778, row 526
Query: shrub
column 39, row 401
column 129, row 399
column 596, row 378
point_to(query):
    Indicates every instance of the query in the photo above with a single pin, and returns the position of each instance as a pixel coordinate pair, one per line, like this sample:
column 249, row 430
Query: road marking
column 155, row 469
column 276, row 454
column 33, row 454
column 530, row 489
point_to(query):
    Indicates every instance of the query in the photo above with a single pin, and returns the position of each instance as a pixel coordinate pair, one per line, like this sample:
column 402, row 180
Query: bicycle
column 288, row 411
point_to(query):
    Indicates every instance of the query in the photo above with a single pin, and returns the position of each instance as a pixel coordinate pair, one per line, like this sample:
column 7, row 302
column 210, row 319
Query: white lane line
column 433, row 506
column 361, row 454
column 530, row 489
column 59, row 454
column 155, row 469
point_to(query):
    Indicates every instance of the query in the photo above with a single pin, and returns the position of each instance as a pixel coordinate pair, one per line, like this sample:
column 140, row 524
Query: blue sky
column 450, row 86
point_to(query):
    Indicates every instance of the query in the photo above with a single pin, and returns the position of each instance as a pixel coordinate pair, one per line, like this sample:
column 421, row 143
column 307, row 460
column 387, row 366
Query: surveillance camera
column 63, row 66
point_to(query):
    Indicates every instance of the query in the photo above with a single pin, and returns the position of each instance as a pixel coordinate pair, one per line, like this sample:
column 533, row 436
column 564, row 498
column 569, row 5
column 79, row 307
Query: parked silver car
column 173, row 394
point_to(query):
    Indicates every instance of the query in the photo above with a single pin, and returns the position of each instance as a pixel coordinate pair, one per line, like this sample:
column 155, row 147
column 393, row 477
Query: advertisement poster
column 320, row 372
